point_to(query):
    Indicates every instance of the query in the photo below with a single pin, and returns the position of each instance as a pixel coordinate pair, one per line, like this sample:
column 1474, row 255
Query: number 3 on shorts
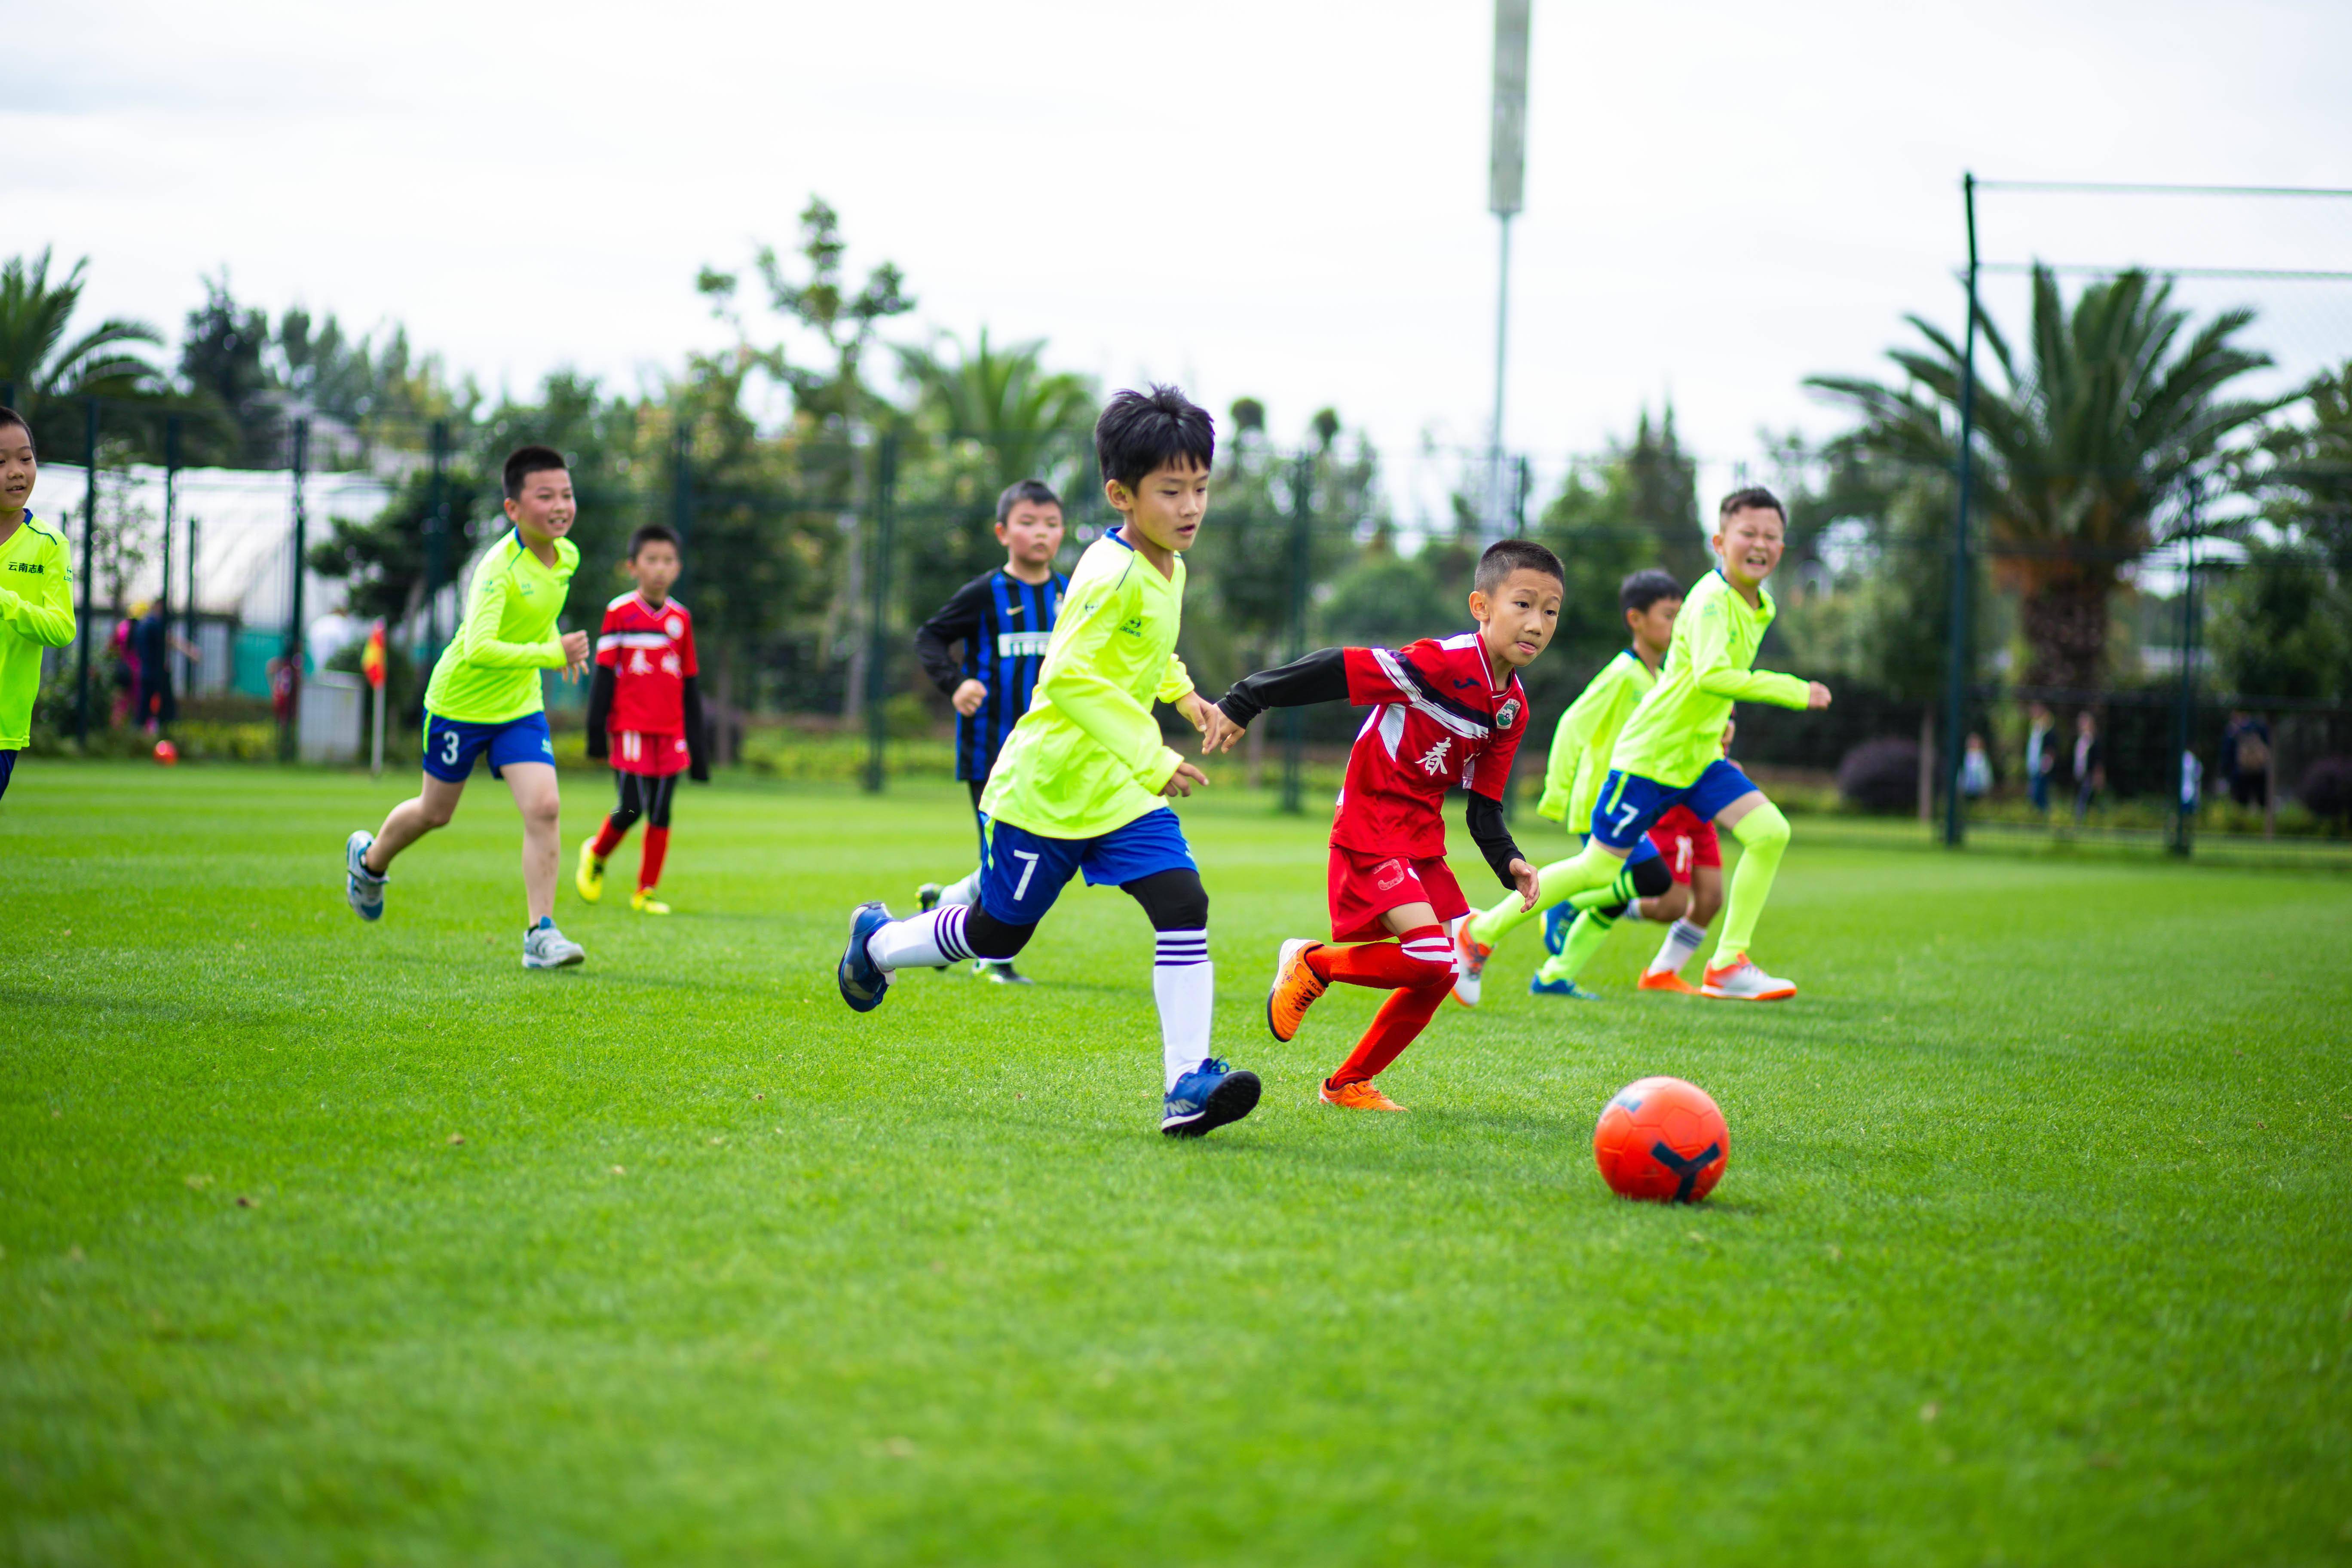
column 448, row 748
column 1027, row 871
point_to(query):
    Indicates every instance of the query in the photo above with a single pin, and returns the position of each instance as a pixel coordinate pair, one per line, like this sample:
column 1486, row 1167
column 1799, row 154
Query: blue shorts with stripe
column 1022, row 873
column 1630, row 804
column 452, row 744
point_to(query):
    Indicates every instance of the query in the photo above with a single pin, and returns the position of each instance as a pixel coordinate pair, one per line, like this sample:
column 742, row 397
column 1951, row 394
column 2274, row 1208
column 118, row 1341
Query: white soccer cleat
column 1741, row 981
column 363, row 889
column 544, row 947
column 1470, row 957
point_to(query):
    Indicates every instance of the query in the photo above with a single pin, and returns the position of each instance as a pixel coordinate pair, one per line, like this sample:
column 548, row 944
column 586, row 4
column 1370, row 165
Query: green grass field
column 2034, row 1245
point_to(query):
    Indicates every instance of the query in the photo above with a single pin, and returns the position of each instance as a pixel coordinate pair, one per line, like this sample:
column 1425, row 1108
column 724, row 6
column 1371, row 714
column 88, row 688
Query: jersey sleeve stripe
column 1426, row 699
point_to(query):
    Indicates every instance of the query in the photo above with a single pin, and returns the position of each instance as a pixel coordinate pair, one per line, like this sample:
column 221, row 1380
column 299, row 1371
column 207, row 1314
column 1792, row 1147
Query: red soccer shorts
column 1687, row 841
column 1366, row 887
column 648, row 756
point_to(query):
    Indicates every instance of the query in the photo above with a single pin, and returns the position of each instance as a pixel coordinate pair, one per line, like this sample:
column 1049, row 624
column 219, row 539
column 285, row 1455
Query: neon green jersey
column 1677, row 729
column 491, row 673
column 1087, row 758
column 1587, row 736
column 37, row 611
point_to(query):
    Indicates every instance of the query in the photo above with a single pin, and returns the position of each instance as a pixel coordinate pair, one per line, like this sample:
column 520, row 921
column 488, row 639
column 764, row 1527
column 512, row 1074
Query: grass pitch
column 2034, row 1245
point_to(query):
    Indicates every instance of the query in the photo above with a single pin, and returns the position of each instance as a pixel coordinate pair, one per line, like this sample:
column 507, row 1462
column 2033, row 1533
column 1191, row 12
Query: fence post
column 1956, row 693
column 188, row 612
column 878, row 645
column 436, row 539
column 2184, row 708
column 170, row 680
column 89, row 564
column 1294, row 721
column 287, row 732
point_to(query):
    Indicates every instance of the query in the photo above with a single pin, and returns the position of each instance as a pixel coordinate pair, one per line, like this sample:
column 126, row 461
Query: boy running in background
column 485, row 702
column 645, row 712
column 1670, row 754
column 1443, row 713
column 1004, row 619
column 1693, row 858
column 1080, row 785
column 37, row 609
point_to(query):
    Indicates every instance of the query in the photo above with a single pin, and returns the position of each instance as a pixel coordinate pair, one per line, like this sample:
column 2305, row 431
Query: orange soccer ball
column 167, row 754
column 1663, row 1140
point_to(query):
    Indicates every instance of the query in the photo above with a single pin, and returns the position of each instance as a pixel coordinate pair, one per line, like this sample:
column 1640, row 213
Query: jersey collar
column 1112, row 533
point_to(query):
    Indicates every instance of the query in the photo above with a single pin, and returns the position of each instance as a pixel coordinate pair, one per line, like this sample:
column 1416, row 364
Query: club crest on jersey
column 674, row 626
column 1508, row 714
column 1432, row 760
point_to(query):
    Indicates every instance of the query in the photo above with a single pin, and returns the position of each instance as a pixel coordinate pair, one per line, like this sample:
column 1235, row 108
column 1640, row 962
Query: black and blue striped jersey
column 1005, row 625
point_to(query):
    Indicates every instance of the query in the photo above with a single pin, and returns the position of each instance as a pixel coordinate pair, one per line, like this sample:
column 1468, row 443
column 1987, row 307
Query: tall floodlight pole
column 1506, row 171
column 1958, row 654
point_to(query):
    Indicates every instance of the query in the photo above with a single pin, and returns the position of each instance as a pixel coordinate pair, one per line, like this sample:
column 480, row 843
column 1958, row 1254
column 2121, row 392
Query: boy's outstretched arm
column 47, row 620
column 1320, row 677
column 1493, row 836
column 1719, row 675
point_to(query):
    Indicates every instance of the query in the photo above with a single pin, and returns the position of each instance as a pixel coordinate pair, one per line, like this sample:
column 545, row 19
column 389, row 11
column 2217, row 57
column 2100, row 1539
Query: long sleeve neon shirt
column 37, row 611
column 490, row 673
column 1088, row 758
column 1585, row 736
column 1677, row 731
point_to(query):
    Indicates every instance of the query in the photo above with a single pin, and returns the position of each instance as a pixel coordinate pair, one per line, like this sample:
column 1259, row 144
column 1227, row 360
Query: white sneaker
column 363, row 889
column 1469, row 966
column 544, row 947
column 1741, row 981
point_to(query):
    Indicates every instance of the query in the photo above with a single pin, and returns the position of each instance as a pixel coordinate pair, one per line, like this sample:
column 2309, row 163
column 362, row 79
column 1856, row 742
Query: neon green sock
column 1618, row 891
column 1595, row 868
column 1584, row 939
column 1763, row 833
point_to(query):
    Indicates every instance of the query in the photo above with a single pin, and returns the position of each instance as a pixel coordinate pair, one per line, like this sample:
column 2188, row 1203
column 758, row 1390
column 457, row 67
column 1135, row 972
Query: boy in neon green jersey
column 1082, row 782
column 37, row 611
column 485, row 702
column 1670, row 754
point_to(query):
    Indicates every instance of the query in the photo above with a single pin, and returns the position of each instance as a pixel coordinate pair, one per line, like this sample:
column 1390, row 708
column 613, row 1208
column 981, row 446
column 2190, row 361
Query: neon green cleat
column 591, row 879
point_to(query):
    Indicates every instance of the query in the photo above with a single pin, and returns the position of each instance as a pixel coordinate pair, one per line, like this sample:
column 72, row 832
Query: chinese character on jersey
column 1440, row 716
column 650, row 650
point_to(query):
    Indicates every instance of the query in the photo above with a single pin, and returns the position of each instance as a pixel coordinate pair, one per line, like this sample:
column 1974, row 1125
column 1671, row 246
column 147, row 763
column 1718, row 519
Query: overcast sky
column 1274, row 198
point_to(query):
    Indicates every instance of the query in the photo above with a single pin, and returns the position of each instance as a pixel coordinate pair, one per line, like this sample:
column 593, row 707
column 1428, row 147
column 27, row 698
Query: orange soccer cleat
column 1742, row 981
column 1665, row 980
column 1294, row 990
column 1363, row 1096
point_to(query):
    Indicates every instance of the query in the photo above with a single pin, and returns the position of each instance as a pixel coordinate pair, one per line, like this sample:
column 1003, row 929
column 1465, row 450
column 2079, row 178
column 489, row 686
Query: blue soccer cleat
column 1557, row 919
column 363, row 889
column 1207, row 1097
column 863, row 981
column 1538, row 986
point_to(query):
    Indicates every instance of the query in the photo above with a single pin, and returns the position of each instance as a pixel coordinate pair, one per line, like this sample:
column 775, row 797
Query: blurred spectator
column 2192, row 775
column 2040, row 756
column 125, row 673
column 1976, row 770
column 2090, row 763
column 2246, row 759
column 154, row 641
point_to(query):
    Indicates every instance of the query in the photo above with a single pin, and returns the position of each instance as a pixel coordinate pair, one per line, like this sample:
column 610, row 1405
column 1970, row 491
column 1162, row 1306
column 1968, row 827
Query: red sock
column 608, row 838
column 649, row 867
column 1396, row 1026
column 1385, row 965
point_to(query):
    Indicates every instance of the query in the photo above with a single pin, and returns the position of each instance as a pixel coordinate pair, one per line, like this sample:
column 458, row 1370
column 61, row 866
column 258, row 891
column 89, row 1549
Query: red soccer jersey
column 651, row 653
column 1438, row 719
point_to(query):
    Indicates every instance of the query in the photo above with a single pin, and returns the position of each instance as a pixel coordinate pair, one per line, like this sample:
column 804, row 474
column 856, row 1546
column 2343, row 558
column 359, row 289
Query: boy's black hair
column 1646, row 588
column 525, row 461
column 1037, row 492
column 10, row 417
column 1506, row 557
column 1140, row 431
column 1755, row 496
column 654, row 533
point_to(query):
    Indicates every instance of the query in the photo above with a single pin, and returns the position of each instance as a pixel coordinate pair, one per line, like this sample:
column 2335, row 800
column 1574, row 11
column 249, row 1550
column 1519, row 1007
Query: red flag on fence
column 372, row 657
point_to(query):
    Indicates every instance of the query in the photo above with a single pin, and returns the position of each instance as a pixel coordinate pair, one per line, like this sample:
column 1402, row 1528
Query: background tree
column 2083, row 447
column 46, row 361
column 2281, row 625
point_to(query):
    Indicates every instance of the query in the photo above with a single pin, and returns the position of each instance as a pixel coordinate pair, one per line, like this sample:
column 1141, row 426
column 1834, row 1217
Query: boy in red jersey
column 1443, row 713
column 645, row 711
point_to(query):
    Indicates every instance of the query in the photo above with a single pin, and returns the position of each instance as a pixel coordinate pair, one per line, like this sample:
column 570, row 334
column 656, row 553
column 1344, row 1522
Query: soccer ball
column 167, row 754
column 1663, row 1140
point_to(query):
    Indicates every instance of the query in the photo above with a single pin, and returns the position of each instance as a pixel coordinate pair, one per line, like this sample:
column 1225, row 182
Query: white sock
column 965, row 892
column 922, row 939
column 1681, row 945
column 1185, row 984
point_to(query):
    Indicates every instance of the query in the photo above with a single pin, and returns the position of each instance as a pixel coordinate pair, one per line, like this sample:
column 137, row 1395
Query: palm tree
column 2082, row 455
column 36, row 356
column 1004, row 398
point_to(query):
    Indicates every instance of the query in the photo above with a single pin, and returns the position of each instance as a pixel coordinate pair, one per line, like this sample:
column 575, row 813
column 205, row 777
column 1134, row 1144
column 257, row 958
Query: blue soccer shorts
column 1644, row 850
column 452, row 744
column 1022, row 873
column 7, row 767
column 1630, row 804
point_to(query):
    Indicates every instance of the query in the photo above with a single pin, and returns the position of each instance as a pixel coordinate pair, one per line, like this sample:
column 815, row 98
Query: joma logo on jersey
column 1432, row 760
column 1134, row 626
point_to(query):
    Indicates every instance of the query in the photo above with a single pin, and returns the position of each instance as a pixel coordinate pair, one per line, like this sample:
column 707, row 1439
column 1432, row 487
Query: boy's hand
column 969, row 697
column 1181, row 781
column 576, row 655
column 1196, row 712
column 1525, row 876
column 1816, row 694
column 1220, row 732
